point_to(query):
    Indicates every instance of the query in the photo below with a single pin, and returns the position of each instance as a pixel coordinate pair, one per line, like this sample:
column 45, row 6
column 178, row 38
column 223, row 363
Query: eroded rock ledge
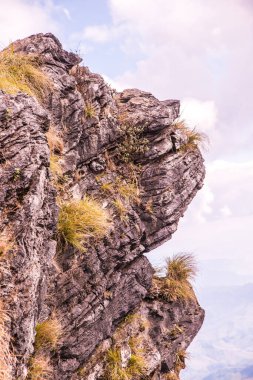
column 91, row 293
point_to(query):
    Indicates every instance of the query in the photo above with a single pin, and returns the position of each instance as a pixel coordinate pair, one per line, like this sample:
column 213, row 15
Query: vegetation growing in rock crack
column 176, row 331
column 115, row 371
column 122, row 193
column 133, row 142
column 56, row 168
column 16, row 174
column 5, row 354
column 56, row 146
column 55, row 142
column 121, row 209
column 6, row 243
column 48, row 334
column 192, row 138
column 181, row 355
column 181, row 268
column 80, row 220
column 171, row 376
column 40, row 368
column 89, row 110
column 22, row 72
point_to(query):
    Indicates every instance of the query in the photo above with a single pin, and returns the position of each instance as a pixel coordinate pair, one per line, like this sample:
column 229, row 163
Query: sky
column 199, row 52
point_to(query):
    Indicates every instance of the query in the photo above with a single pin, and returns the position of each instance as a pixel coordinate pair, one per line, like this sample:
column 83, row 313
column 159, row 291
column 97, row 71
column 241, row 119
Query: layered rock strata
column 91, row 293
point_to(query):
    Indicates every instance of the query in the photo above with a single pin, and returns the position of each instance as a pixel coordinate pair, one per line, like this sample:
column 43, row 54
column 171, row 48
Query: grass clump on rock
column 48, row 334
column 5, row 354
column 193, row 137
column 5, row 243
column 22, row 72
column 80, row 220
column 40, row 368
column 181, row 269
column 115, row 371
column 55, row 142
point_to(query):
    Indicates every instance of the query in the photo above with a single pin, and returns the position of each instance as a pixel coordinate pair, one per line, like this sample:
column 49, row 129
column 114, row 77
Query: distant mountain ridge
column 232, row 374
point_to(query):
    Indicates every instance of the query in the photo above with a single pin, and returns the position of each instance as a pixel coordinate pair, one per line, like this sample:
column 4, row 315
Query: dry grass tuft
column 5, row 354
column 194, row 138
column 89, row 110
column 80, row 220
column 108, row 187
column 5, row 243
column 56, row 147
column 55, row 142
column 173, row 290
column 123, row 193
column 176, row 331
column 21, row 72
column 176, row 284
column 136, row 366
column 181, row 267
column 114, row 370
column 55, row 167
column 121, row 209
column 48, row 334
column 181, row 355
column 40, row 368
column 171, row 376
column 129, row 191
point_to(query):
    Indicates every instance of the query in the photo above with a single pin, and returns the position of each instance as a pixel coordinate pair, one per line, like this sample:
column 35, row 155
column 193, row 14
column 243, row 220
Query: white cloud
column 115, row 85
column 99, row 33
column 67, row 13
column 232, row 184
column 200, row 114
column 225, row 211
column 194, row 49
column 227, row 193
column 21, row 18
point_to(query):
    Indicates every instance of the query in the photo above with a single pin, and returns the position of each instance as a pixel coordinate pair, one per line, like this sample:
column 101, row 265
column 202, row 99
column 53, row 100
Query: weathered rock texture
column 91, row 293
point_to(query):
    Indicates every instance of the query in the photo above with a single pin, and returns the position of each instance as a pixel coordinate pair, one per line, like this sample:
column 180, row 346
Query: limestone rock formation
column 117, row 149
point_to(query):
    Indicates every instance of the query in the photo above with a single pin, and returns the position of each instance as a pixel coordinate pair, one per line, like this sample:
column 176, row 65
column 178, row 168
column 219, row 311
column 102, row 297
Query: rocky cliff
column 78, row 140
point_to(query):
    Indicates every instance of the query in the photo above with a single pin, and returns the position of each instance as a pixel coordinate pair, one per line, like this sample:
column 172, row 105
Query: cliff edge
column 69, row 144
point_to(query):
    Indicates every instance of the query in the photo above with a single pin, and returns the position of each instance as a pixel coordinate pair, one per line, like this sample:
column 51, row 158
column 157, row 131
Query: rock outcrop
column 116, row 148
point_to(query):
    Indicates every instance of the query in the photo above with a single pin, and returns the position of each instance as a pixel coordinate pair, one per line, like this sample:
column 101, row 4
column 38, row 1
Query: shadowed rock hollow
column 117, row 149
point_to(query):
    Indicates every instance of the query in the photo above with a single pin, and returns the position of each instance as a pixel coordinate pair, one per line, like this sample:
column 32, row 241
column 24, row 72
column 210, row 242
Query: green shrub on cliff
column 80, row 220
column 21, row 72
column 133, row 142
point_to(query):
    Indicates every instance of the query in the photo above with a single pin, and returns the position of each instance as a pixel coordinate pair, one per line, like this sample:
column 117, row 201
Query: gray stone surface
column 36, row 278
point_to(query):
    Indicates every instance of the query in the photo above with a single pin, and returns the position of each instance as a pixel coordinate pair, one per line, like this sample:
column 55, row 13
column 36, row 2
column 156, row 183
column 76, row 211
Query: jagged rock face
column 89, row 292
column 160, row 331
